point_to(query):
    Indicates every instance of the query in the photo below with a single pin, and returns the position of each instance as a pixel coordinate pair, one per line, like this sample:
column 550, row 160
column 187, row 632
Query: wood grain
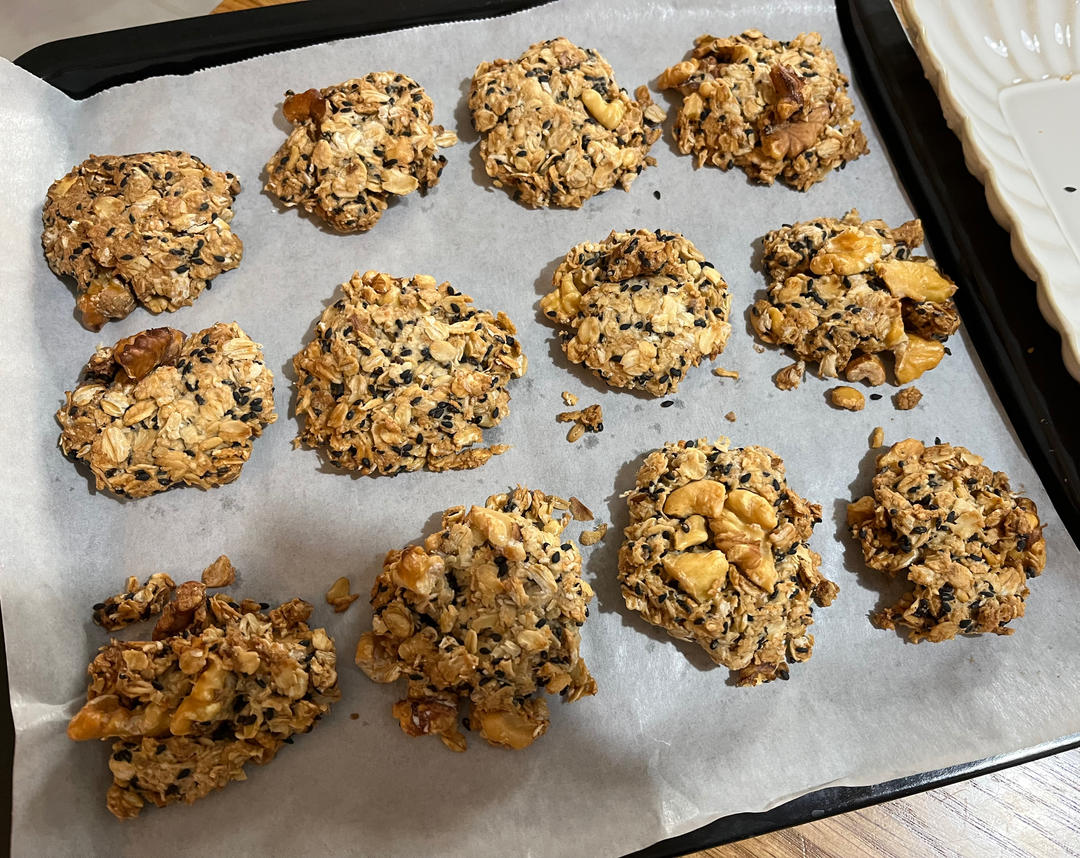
column 1028, row 811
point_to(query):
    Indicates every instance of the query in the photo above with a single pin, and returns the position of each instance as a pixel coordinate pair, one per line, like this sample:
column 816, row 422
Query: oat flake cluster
column 643, row 307
column 556, row 128
column 355, row 147
column 486, row 613
column 717, row 553
column 221, row 684
column 405, row 374
column 159, row 410
column 776, row 109
column 955, row 529
column 150, row 229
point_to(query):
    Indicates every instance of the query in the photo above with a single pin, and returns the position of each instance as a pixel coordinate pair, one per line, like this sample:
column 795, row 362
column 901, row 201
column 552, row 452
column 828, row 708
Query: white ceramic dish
column 1002, row 70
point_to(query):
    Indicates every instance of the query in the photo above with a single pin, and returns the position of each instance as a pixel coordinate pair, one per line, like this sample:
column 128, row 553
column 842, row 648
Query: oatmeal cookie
column 224, row 685
column 556, row 128
column 405, row 374
column 487, row 612
column 159, row 410
column 717, row 553
column 842, row 291
column 643, row 308
column 355, row 146
column 962, row 537
column 150, row 229
column 775, row 109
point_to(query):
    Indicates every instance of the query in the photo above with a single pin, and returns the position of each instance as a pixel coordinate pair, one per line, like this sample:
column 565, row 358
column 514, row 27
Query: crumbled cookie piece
column 590, row 419
column 591, row 537
column 840, row 291
column 355, row 147
column 907, row 398
column 557, row 129
column 643, row 307
column 775, row 109
column 150, row 229
column 404, row 374
column 716, row 553
column 790, row 377
column 189, row 710
column 847, row 398
column 158, row 410
column 136, row 603
column 339, row 596
column 877, row 438
column 569, row 399
column 487, row 612
column 720, row 372
column 220, row 573
column 961, row 536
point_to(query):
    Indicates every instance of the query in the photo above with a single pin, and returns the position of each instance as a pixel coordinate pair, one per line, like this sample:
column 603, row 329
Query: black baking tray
column 1020, row 351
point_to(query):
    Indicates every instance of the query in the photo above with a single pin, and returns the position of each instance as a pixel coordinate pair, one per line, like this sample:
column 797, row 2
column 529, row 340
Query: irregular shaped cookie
column 717, row 553
column 226, row 684
column 487, row 612
column 404, row 374
column 556, row 128
column 643, row 308
column 158, row 410
column 841, row 291
column 775, row 109
column 150, row 229
column 962, row 537
column 355, row 147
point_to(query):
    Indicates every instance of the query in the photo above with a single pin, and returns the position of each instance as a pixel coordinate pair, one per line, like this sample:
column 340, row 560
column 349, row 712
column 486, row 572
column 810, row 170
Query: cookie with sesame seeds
column 487, row 613
column 150, row 229
column 776, row 109
column 717, row 553
column 965, row 541
column 357, row 146
column 842, row 292
column 642, row 308
column 556, row 128
column 403, row 374
column 159, row 410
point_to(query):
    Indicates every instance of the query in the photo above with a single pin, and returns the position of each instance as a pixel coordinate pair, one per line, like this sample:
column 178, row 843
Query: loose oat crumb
column 907, row 398
column 569, row 399
column 591, row 537
column 725, row 373
column 354, row 716
column 759, row 348
column 730, row 416
column 339, row 596
column 791, row 376
column 877, row 437
column 580, row 511
column 575, row 433
column 135, row 603
column 220, row 573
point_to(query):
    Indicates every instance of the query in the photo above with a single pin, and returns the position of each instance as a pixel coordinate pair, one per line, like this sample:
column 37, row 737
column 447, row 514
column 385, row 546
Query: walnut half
column 144, row 352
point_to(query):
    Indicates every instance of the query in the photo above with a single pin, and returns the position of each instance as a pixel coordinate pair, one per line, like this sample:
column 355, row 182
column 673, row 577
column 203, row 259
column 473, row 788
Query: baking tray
column 1018, row 349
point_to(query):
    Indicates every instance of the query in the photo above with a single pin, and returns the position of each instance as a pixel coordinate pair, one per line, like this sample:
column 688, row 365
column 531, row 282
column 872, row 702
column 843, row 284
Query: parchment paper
column 668, row 743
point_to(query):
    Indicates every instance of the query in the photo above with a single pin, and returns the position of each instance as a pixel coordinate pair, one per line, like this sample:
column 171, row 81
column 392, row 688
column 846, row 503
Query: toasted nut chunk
column 700, row 573
column 790, row 377
column 730, row 417
column 907, row 398
column 866, row 368
column 725, row 373
column 847, row 397
column 877, row 437
column 752, row 508
column 145, row 351
column 220, row 573
column 917, row 280
column 339, row 596
column 575, row 432
column 206, row 701
column 417, row 570
column 705, row 497
column 607, row 113
column 690, row 532
column 850, row 252
column 860, row 511
column 498, row 528
column 591, row 537
column 512, row 728
column 916, row 356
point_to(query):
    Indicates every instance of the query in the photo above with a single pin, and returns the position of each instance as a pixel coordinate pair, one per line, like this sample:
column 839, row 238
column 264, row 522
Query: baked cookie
column 717, row 553
column 158, row 410
column 150, row 229
column 404, row 374
column 841, row 291
column 963, row 538
column 487, row 612
column 775, row 109
column 356, row 146
column 556, row 128
column 220, row 685
column 643, row 307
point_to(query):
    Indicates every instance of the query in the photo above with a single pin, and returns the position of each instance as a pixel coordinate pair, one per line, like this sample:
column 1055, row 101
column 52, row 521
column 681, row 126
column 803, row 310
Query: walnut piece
column 907, row 398
column 220, row 573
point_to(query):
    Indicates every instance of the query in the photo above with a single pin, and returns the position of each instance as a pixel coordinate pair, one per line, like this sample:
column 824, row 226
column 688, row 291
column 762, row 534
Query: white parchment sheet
column 668, row 743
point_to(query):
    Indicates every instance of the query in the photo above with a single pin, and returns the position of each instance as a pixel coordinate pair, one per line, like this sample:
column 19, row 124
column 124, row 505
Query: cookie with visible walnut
column 717, row 553
column 957, row 531
column 159, row 410
column 150, row 229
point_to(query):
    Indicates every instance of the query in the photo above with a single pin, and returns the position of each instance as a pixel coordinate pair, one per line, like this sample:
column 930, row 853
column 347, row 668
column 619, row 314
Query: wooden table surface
column 1030, row 810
